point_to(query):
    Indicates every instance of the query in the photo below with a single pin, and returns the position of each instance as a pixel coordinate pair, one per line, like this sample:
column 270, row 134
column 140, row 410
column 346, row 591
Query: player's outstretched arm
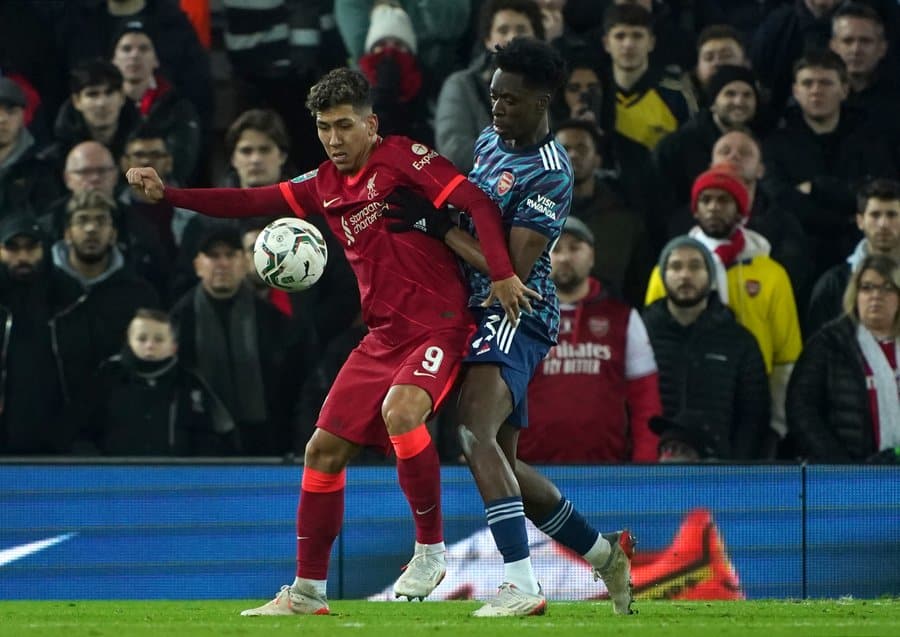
column 146, row 182
column 213, row 202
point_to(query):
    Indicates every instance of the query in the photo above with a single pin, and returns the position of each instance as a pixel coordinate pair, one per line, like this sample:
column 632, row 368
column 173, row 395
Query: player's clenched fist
column 146, row 181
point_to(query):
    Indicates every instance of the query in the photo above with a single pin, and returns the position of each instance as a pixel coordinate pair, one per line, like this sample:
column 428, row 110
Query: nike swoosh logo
column 428, row 510
column 330, row 201
column 10, row 555
column 302, row 537
column 419, row 373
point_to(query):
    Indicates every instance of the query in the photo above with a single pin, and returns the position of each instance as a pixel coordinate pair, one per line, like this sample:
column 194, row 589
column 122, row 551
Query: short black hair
column 96, row 72
column 720, row 32
column 857, row 10
column 528, row 8
column 540, row 65
column 632, row 15
column 337, row 87
column 822, row 59
column 882, row 188
column 583, row 125
column 146, row 130
column 263, row 120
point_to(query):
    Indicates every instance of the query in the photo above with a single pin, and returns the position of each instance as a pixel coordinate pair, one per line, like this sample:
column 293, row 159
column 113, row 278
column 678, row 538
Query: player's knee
column 321, row 458
column 399, row 417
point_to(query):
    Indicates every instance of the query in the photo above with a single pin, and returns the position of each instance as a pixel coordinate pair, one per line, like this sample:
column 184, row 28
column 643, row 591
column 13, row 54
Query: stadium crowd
column 727, row 277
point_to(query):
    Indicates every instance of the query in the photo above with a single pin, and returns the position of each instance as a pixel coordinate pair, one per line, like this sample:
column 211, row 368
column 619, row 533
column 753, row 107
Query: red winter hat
column 723, row 177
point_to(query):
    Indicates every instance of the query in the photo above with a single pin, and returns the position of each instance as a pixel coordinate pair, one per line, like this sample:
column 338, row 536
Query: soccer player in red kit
column 414, row 302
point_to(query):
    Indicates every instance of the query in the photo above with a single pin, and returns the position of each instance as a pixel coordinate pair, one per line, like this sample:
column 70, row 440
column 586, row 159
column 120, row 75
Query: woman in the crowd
column 842, row 402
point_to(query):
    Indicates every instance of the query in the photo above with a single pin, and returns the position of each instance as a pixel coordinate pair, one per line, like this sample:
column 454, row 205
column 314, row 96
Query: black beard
column 90, row 259
column 570, row 284
column 689, row 301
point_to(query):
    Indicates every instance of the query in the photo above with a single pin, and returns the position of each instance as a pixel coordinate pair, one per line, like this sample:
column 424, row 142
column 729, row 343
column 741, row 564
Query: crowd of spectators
column 727, row 277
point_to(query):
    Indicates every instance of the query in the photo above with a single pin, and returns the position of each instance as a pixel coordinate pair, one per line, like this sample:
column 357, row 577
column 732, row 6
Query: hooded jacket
column 712, row 367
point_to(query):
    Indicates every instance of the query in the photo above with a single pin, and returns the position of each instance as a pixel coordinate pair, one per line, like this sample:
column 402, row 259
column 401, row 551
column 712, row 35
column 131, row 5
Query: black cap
column 130, row 26
column 20, row 224
column 220, row 233
column 10, row 93
column 728, row 73
column 578, row 228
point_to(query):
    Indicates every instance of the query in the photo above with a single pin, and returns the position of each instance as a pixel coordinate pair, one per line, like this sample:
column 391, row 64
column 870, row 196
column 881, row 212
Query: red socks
column 319, row 516
column 419, row 471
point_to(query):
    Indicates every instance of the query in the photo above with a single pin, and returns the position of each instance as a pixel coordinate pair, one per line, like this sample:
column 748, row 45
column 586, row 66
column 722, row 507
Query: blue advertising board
column 157, row 531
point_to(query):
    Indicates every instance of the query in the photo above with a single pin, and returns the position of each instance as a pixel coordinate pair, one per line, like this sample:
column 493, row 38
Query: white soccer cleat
column 288, row 601
column 511, row 601
column 421, row 576
column 616, row 573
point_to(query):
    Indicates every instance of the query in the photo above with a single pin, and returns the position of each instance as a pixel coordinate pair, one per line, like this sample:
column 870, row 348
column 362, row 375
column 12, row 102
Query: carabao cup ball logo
column 290, row 254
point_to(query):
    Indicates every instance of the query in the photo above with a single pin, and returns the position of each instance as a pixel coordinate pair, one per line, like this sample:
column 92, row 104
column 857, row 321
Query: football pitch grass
column 377, row 619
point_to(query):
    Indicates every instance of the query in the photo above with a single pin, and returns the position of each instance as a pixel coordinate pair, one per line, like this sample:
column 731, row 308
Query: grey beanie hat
column 684, row 241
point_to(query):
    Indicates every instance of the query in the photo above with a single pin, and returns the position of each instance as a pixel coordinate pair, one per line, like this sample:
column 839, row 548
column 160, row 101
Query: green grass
column 371, row 619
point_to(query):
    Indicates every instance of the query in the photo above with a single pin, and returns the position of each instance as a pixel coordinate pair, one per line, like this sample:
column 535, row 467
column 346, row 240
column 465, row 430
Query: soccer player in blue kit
column 527, row 174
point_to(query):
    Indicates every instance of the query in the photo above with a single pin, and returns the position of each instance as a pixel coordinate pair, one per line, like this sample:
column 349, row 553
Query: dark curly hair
column 340, row 86
column 540, row 65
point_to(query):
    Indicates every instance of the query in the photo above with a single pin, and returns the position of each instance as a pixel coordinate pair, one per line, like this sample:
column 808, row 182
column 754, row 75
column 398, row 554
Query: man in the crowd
column 789, row 244
column 622, row 257
column 97, row 109
column 718, row 45
column 31, row 294
column 878, row 218
column 592, row 397
column 27, row 180
column 712, row 378
column 249, row 352
column 858, row 37
column 684, row 154
column 160, row 105
column 91, row 328
column 821, row 155
column 650, row 103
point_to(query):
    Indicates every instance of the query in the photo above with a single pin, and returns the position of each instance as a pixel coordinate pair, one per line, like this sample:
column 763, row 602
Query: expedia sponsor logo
column 576, row 358
column 419, row 164
column 359, row 221
column 420, row 149
column 543, row 205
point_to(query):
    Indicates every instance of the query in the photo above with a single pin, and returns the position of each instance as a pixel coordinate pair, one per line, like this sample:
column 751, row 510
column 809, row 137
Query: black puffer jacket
column 713, row 367
column 827, row 406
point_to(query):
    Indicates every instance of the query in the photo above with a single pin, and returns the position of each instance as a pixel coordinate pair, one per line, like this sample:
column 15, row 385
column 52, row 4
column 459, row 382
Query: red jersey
column 590, row 400
column 407, row 281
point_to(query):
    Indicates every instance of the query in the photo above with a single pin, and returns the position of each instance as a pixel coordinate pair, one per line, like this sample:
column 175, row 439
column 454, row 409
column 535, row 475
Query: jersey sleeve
column 299, row 193
column 639, row 358
column 545, row 203
column 425, row 169
column 440, row 181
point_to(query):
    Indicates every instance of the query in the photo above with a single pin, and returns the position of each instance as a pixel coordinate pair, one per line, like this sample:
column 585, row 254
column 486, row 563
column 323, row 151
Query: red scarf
column 410, row 75
column 728, row 252
column 148, row 99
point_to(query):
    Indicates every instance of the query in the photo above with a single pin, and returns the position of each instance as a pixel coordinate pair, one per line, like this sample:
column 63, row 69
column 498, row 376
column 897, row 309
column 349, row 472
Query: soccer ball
column 290, row 254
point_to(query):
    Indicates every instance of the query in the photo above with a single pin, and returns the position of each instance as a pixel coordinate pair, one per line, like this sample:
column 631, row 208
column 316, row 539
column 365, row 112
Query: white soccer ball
column 290, row 254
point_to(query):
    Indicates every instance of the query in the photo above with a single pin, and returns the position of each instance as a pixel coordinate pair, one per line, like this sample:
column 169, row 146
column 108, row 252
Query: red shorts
column 352, row 409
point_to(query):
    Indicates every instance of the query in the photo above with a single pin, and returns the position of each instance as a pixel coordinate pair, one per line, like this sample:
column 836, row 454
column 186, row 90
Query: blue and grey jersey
column 533, row 188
